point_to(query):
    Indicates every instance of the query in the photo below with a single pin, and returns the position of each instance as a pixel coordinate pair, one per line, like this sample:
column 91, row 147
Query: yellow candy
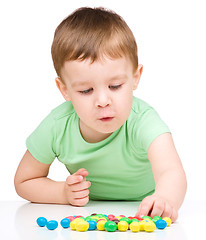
column 100, row 225
column 118, row 217
column 149, row 226
column 95, row 218
column 73, row 223
column 134, row 226
column 168, row 220
column 82, row 226
column 122, row 226
column 142, row 225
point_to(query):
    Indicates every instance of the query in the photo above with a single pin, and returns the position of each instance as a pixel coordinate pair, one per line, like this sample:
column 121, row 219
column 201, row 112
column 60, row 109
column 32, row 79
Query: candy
column 110, row 216
column 134, row 220
column 82, row 226
column 102, row 219
column 115, row 220
column 161, row 224
column 109, row 223
column 65, row 222
column 52, row 224
column 147, row 217
column 100, row 225
column 125, row 219
column 141, row 225
column 122, row 226
column 134, row 226
column 94, row 218
column 74, row 222
column 156, row 218
column 78, row 216
column 149, row 226
column 168, row 220
column 93, row 214
column 110, row 226
column 139, row 217
column 41, row 221
column 71, row 218
column 92, row 225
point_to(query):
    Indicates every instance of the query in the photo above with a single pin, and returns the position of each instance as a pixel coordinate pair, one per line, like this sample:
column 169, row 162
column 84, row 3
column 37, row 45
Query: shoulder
column 139, row 107
column 64, row 110
column 145, row 124
column 142, row 114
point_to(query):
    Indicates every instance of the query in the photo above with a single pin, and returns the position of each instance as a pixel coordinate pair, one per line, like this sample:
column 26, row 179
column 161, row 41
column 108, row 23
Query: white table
column 18, row 221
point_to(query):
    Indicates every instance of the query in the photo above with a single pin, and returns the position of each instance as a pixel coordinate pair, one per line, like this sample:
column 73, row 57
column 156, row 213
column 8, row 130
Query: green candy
column 100, row 215
column 134, row 220
column 88, row 218
column 147, row 217
column 156, row 218
column 110, row 226
column 125, row 219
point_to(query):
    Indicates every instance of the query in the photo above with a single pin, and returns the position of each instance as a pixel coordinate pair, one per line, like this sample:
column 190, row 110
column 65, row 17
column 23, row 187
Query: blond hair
column 93, row 33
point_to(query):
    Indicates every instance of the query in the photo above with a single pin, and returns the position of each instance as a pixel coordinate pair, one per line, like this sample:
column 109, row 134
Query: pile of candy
column 109, row 223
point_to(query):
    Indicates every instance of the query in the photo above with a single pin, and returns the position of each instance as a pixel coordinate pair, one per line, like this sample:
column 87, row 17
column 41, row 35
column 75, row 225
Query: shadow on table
column 27, row 228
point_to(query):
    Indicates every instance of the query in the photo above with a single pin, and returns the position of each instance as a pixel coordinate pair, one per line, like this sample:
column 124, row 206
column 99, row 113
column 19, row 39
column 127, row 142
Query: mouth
column 106, row 119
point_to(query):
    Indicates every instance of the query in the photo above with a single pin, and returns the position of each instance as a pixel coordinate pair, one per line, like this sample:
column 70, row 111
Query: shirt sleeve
column 41, row 142
column 150, row 126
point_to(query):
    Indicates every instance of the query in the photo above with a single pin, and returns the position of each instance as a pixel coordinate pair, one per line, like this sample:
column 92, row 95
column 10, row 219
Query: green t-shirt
column 118, row 166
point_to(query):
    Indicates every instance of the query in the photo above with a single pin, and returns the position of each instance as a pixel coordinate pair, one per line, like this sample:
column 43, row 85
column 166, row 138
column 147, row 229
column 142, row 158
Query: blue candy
column 51, row 225
column 161, row 224
column 92, row 225
column 65, row 222
column 41, row 221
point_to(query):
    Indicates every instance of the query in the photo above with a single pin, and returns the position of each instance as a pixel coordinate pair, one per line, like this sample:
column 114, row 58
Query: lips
column 106, row 119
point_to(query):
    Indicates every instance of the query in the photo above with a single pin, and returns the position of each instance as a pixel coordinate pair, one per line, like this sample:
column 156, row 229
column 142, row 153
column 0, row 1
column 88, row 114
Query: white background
column 172, row 48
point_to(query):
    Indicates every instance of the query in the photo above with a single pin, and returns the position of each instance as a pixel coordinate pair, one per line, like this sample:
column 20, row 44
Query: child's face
column 101, row 94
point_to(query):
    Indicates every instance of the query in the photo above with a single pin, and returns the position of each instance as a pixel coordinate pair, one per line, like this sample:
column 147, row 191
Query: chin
column 110, row 130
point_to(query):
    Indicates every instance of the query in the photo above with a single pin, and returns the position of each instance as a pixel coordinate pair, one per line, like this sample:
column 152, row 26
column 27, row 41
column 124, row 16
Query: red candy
column 139, row 217
column 100, row 219
column 78, row 216
column 110, row 216
column 71, row 218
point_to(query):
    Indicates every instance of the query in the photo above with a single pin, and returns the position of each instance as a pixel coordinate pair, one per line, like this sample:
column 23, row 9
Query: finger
column 81, row 171
column 174, row 215
column 74, row 179
column 167, row 211
column 80, row 194
column 80, row 186
column 158, row 208
column 79, row 202
column 145, row 206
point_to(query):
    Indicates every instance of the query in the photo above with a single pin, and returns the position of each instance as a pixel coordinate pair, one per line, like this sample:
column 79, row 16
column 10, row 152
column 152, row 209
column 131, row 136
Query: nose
column 103, row 99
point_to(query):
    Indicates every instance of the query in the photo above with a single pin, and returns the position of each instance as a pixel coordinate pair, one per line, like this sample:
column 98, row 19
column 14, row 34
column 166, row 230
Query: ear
column 62, row 88
column 137, row 76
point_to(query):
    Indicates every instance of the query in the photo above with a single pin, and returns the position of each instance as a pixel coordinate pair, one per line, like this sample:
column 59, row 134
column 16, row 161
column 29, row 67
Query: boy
column 114, row 145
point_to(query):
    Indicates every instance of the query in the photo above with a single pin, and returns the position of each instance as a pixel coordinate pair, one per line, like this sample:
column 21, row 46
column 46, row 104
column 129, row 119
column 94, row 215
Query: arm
column 170, row 180
column 31, row 183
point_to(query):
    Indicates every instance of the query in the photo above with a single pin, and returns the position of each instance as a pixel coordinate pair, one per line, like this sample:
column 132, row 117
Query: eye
column 115, row 87
column 86, row 91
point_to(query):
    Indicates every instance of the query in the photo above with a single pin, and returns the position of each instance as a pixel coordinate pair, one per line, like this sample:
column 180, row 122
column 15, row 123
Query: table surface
column 18, row 221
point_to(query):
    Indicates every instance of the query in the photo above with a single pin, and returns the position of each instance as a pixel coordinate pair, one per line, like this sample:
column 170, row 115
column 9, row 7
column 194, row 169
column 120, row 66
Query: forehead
column 75, row 71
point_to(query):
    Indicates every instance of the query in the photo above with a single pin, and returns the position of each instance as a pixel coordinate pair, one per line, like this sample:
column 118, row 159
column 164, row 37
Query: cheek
column 124, row 106
column 81, row 107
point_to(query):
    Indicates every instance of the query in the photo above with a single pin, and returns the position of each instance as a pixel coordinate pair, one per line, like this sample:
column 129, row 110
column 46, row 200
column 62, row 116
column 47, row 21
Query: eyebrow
column 74, row 84
column 120, row 76
column 81, row 83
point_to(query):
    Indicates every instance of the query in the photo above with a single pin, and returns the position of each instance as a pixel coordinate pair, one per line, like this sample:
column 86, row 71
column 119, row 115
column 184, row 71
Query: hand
column 76, row 188
column 155, row 205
